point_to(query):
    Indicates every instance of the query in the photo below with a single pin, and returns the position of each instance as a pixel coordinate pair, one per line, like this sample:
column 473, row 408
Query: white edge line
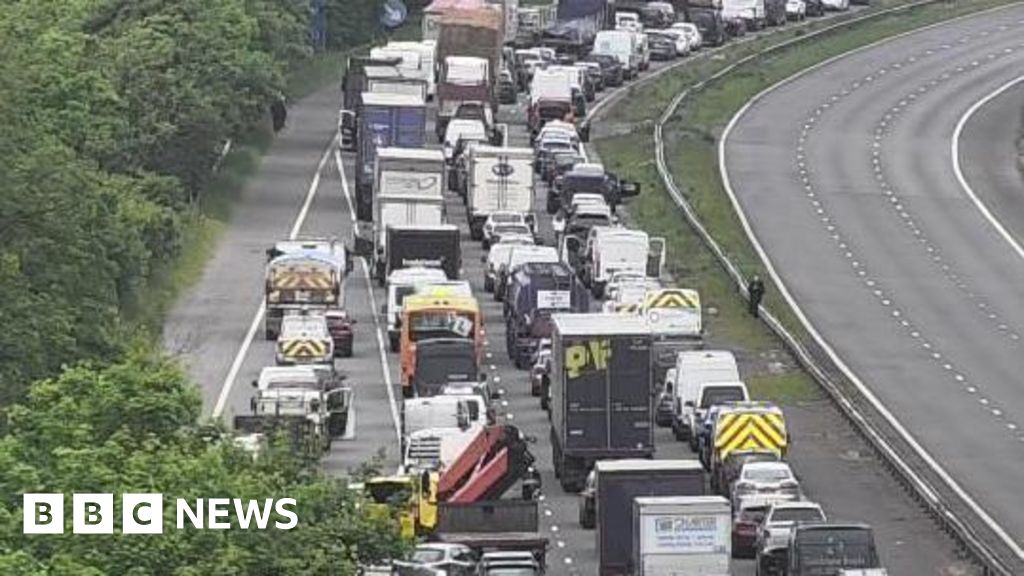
column 955, row 152
column 378, row 329
column 847, row 371
column 243, row 349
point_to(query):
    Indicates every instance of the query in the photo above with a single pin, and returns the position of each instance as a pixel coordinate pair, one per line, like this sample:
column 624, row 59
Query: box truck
column 681, row 535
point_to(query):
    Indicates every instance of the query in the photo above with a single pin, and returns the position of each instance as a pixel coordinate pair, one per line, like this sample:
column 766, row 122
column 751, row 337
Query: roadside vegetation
column 691, row 140
column 113, row 191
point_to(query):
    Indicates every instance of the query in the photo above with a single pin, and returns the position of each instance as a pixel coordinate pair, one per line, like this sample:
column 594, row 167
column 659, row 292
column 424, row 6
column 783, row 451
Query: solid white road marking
column 378, row 328
column 957, row 169
column 243, row 350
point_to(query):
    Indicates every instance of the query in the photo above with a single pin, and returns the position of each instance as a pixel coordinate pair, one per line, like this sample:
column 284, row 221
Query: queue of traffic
column 609, row 346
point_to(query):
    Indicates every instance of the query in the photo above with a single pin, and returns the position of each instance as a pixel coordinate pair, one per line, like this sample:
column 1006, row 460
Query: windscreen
column 766, row 474
column 797, row 515
column 718, row 395
column 427, row 556
column 427, row 324
column 553, row 111
column 388, row 492
column 437, row 367
column 826, row 551
column 584, row 184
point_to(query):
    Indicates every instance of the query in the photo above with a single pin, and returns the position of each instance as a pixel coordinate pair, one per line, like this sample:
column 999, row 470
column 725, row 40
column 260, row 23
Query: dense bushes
column 129, row 428
column 113, row 113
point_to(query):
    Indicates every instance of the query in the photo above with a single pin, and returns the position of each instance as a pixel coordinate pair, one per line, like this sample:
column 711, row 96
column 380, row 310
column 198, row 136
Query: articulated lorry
column 353, row 84
column 601, row 392
column 497, row 180
column 384, row 120
column 618, row 483
column 468, row 36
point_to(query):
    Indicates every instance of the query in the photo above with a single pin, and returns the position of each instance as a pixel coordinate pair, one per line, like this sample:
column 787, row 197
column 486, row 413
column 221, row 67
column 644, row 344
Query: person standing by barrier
column 755, row 291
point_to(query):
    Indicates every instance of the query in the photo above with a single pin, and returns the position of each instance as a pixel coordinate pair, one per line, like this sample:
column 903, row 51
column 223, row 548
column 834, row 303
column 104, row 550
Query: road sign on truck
column 601, row 392
column 618, row 483
column 681, row 535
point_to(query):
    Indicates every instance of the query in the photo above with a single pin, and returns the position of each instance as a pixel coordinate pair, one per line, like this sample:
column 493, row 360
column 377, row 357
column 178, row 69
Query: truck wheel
column 677, row 433
column 693, row 443
column 394, row 342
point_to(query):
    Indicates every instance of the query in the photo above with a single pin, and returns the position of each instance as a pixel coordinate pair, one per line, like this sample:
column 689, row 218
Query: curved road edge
column 925, row 489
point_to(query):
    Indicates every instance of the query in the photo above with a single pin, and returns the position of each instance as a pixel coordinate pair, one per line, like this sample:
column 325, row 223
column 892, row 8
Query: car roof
column 797, row 505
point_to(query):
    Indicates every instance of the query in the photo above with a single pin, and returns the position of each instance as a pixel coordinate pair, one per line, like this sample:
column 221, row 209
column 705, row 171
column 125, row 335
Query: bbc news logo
column 144, row 514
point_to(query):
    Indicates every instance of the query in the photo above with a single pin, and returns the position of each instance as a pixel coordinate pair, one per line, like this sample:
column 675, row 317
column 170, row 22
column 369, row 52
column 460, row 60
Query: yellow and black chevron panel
column 627, row 308
column 742, row 431
column 290, row 279
column 302, row 348
column 672, row 299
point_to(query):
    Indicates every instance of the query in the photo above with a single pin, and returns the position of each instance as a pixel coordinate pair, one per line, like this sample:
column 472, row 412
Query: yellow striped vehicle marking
column 301, row 279
column 672, row 299
column 303, row 348
column 741, row 431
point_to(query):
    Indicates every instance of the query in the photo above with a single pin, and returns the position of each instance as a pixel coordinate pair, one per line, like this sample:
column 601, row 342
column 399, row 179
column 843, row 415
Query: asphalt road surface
column 847, row 178
column 301, row 188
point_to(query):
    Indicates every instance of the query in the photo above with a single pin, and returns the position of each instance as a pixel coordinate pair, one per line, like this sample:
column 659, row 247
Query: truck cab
column 306, row 274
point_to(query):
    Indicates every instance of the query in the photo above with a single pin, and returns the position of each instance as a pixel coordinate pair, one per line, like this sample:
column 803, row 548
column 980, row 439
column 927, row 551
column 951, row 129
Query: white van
column 613, row 249
column 628, row 21
column 401, row 283
column 709, row 394
column 622, row 45
column 693, row 368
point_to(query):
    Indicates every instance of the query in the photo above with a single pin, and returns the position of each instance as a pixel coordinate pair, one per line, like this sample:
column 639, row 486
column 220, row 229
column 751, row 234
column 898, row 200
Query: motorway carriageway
column 305, row 187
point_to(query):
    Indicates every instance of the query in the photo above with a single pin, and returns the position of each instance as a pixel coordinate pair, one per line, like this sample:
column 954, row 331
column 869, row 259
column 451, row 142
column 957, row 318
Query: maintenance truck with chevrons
column 303, row 275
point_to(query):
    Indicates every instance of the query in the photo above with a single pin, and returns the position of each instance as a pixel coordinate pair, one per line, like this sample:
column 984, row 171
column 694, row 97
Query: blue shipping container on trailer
column 395, row 120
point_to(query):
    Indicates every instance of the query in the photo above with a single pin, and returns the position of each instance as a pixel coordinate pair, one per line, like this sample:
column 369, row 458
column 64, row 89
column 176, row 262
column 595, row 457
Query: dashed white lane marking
column 884, row 126
column 243, row 349
column 378, row 327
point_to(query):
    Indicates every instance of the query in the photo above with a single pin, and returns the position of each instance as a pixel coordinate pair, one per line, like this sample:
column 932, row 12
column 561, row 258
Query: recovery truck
column 384, row 120
column 308, row 404
column 305, row 274
column 535, row 292
column 353, row 84
column 409, row 186
column 618, row 483
column 497, row 180
column 674, row 315
column 426, row 317
column 422, row 246
column 601, row 392
column 410, row 499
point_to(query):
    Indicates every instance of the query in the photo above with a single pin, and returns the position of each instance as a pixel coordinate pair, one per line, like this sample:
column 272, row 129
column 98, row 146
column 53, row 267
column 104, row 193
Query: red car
column 749, row 514
column 340, row 326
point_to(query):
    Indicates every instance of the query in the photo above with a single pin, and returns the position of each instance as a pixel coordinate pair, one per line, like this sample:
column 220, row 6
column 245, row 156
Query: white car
column 779, row 521
column 504, row 218
column 692, row 34
column 677, row 36
column 765, row 478
column 837, row 5
column 796, row 9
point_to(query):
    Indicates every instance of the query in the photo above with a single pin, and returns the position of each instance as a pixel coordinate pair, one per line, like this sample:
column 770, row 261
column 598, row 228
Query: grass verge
column 691, row 149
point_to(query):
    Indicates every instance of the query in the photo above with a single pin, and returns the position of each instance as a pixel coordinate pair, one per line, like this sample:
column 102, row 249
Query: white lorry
column 498, row 179
column 693, row 368
column 391, row 80
column 411, row 64
column 680, row 535
column 622, row 45
column 552, row 83
column 409, row 185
